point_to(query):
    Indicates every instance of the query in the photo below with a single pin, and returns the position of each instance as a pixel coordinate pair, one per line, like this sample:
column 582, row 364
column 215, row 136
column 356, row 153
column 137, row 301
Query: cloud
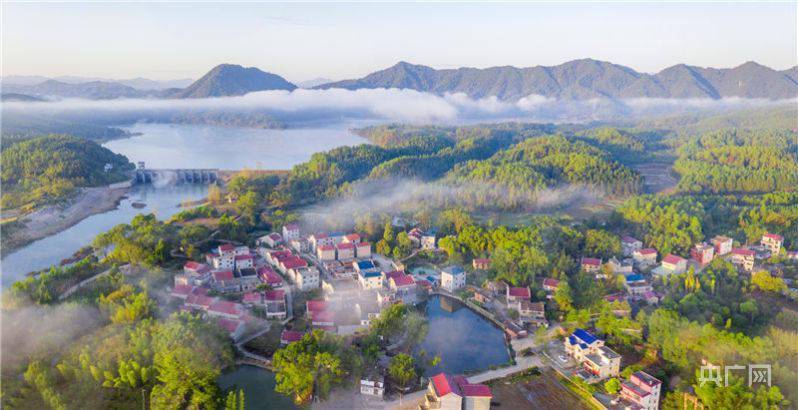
column 379, row 104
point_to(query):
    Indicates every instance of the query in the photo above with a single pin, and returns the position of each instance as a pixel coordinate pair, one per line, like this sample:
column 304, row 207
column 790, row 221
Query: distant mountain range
column 144, row 84
column 586, row 79
column 574, row 80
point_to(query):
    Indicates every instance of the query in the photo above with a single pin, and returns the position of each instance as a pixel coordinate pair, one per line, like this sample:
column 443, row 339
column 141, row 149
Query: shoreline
column 53, row 219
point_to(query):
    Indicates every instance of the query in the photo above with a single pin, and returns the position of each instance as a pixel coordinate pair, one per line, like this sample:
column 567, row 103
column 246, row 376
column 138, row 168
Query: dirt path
column 52, row 219
column 658, row 177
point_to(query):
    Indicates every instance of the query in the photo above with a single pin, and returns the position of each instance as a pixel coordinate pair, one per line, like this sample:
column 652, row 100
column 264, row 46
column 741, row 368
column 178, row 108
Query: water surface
column 229, row 148
column 163, row 201
column 464, row 340
column 258, row 385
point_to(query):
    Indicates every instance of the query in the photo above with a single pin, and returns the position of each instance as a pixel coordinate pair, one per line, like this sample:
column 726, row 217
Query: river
column 258, row 385
column 464, row 340
column 201, row 146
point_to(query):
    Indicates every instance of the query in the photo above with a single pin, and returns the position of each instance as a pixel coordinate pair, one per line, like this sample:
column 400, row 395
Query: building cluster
column 454, row 393
column 641, row 391
column 598, row 361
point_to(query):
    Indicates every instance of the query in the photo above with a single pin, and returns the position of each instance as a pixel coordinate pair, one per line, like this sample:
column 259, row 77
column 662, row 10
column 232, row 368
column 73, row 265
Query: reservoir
column 464, row 340
column 258, row 385
column 228, row 148
column 163, row 201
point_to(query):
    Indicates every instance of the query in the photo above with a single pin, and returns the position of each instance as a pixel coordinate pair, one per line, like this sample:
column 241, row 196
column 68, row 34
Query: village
column 294, row 281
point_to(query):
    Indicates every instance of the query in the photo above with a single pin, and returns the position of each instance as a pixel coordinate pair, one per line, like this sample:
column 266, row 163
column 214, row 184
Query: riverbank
column 52, row 219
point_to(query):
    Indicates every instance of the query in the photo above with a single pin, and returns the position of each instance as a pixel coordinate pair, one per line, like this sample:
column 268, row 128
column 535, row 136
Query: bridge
column 146, row 176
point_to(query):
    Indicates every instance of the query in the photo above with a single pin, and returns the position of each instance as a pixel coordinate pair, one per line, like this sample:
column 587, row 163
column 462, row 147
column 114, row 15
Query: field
column 542, row 391
column 658, row 177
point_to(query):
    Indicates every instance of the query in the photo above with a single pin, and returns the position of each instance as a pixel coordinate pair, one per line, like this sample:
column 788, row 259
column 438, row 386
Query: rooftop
column 647, row 251
column 453, row 270
column 591, row 261
column 291, row 336
column 673, row 259
column 519, row 292
column 774, row 237
column 223, row 275
column 584, row 336
column 743, row 252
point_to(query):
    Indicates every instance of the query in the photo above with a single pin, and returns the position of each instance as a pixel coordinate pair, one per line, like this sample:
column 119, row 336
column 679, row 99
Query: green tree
column 612, row 386
column 403, row 370
column 306, row 367
column 764, row 281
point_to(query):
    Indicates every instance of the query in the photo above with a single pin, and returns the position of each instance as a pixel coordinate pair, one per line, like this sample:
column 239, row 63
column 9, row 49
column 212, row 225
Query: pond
column 258, row 385
column 464, row 340
column 229, row 148
column 163, row 201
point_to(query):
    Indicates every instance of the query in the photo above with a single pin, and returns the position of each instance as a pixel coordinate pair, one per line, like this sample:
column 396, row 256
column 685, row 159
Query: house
column 702, row 253
column 428, row 240
column 744, row 258
column 550, row 284
column 370, row 278
column 368, row 309
column 671, row 265
column 513, row 331
column 226, row 309
column 599, row 360
column 325, row 252
column 372, row 385
column 224, row 281
column 532, row 312
column 226, row 249
column 773, row 242
column 291, row 232
column 271, row 240
column 247, row 279
column 222, row 261
column 244, row 261
column 241, row 250
column 629, row 245
column 591, row 265
column 199, row 301
column 455, row 392
column 722, row 244
column 618, row 267
column 320, row 239
column 415, row 235
column 197, row 273
column 363, row 250
column 300, row 245
column 291, row 263
column 404, row 286
column 645, row 257
column 182, row 291
column 642, row 391
column 268, row 276
column 306, row 278
column 453, row 278
column 515, row 294
column 636, row 286
column 274, row 300
column 352, row 238
column 345, row 251
column 315, row 306
column 252, row 298
column 290, row 336
column 481, row 263
column 233, row 327
column 651, row 297
column 324, row 319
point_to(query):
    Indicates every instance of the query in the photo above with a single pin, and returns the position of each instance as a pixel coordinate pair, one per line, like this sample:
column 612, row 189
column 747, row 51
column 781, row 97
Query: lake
column 41, row 254
column 464, row 340
column 258, row 385
column 229, row 148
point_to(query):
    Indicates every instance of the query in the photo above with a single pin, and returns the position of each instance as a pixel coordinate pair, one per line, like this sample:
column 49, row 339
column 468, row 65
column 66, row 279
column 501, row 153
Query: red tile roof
column 393, row 274
column 551, row 282
column 293, row 262
column 444, row 385
column 673, row 259
column 229, row 325
column 292, row 227
column 647, row 251
column 289, row 336
column 476, row 390
column 195, row 266
column 316, row 305
column 199, row 300
column 743, row 252
column 323, row 316
column 182, row 290
column 251, row 297
column 223, row 275
column 226, row 247
column 224, row 306
column 352, row 237
column 243, row 257
column 774, row 236
column 274, row 295
column 346, row 245
column 275, row 236
column 364, row 245
column 403, row 280
column 519, row 292
column 326, row 248
column 591, row 261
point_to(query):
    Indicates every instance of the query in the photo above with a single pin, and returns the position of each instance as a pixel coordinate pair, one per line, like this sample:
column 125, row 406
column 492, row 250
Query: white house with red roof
column 352, row 238
column 306, row 277
column 271, row 240
column 642, row 391
column 515, row 294
column 345, row 251
column 181, row 291
column 222, row 261
column 233, row 327
column 197, row 273
column 702, row 253
column 743, row 258
column 325, row 252
column 629, row 245
column 455, row 392
column 290, row 336
column 268, row 276
column 314, row 306
column 363, row 250
column 252, row 299
column 722, row 244
column 226, row 249
column 226, row 309
column 320, row 239
column 591, row 265
column 244, row 261
column 291, row 262
column 275, row 304
column 550, row 284
column 224, row 281
column 645, row 257
column 772, row 242
column 199, row 301
column 291, row 232
column 671, row 265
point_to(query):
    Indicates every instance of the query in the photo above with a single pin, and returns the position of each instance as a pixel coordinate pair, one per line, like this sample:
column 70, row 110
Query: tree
column 403, row 245
column 764, row 281
column 383, row 247
column 563, row 296
column 248, row 205
column 612, row 386
column 387, row 233
column 402, row 370
column 214, row 194
column 307, row 367
column 602, row 244
column 235, row 400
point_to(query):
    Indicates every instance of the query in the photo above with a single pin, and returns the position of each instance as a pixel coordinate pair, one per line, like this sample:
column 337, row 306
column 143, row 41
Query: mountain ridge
column 232, row 80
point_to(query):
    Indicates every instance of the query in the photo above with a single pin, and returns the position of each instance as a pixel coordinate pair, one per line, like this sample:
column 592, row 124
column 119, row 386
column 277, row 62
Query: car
column 563, row 358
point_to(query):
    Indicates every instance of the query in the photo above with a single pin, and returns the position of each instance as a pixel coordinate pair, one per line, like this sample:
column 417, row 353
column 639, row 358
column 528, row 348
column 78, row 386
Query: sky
column 348, row 40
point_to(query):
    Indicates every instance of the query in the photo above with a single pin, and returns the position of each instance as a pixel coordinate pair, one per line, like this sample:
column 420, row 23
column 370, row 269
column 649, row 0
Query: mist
column 301, row 105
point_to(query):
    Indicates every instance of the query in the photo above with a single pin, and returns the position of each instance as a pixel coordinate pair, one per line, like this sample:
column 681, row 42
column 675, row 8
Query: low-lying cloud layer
column 383, row 104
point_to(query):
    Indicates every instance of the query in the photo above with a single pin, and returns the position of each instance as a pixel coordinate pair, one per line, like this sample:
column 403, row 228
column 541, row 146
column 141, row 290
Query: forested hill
column 47, row 168
column 585, row 79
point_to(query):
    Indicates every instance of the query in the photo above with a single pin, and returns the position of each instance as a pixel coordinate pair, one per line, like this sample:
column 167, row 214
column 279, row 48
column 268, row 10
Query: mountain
column 147, row 84
column 585, row 79
column 96, row 90
column 19, row 97
column 229, row 80
column 313, row 82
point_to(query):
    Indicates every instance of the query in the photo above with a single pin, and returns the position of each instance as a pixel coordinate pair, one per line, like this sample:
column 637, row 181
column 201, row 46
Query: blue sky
column 304, row 41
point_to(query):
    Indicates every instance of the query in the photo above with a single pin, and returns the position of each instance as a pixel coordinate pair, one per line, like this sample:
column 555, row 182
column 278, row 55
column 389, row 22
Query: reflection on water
column 463, row 339
column 258, row 385
column 199, row 146
column 162, row 201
